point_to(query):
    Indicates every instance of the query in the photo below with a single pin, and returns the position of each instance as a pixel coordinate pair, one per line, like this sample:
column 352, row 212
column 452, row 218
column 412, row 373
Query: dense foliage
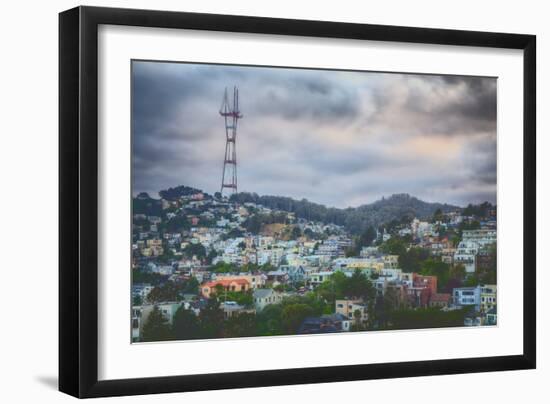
column 145, row 205
column 410, row 258
column 425, row 318
column 171, row 194
column 156, row 328
column 356, row 220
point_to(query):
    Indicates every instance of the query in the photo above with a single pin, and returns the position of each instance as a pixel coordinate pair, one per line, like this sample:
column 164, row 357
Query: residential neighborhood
column 206, row 266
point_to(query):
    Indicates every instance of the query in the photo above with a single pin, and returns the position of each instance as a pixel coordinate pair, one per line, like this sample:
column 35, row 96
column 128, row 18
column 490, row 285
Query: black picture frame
column 78, row 200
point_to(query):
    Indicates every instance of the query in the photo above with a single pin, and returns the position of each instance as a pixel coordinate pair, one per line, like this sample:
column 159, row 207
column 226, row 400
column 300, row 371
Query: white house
column 316, row 278
column 465, row 254
column 468, row 296
column 265, row 297
column 482, row 237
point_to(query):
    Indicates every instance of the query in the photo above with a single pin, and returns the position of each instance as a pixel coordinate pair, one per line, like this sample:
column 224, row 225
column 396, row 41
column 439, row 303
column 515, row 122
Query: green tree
column 268, row 321
column 333, row 288
column 211, row 319
column 167, row 255
column 394, row 246
column 267, row 268
column 472, row 280
column 412, row 259
column 481, row 210
column 296, row 232
column 244, row 298
column 438, row 215
column 168, row 292
column 488, row 272
column 195, row 250
column 458, row 271
column 140, row 275
column 386, row 305
column 253, row 224
column 233, row 233
column 219, row 291
column 432, row 317
column 240, row 325
column 359, row 286
column 211, row 255
column 433, row 267
column 340, row 286
column 156, row 328
column 358, row 324
column 191, row 286
column 222, row 267
column 186, row 324
column 293, row 315
column 456, row 239
column 177, row 224
column 282, row 288
column 365, row 239
column 391, row 299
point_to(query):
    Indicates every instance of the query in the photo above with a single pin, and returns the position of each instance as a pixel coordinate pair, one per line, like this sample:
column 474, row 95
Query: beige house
column 348, row 308
column 488, row 297
column 230, row 285
column 255, row 280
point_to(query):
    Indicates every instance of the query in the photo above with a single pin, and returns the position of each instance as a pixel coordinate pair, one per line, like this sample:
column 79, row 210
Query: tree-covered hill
column 171, row 194
column 397, row 207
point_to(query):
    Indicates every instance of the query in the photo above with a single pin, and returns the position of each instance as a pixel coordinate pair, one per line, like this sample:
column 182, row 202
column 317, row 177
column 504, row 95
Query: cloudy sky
column 333, row 137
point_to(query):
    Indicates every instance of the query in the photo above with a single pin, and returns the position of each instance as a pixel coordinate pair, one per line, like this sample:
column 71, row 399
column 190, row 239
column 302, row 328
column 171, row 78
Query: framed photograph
column 251, row 201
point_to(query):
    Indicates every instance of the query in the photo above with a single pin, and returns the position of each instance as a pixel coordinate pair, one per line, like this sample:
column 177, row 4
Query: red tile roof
column 226, row 282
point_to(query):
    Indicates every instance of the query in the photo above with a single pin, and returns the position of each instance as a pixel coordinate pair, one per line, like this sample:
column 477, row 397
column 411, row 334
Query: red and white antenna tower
column 231, row 115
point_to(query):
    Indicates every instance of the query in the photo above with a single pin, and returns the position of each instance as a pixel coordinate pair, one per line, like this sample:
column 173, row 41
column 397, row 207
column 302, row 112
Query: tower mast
column 231, row 114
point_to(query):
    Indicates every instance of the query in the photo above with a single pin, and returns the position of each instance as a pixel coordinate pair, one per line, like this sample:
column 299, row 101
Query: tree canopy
column 156, row 328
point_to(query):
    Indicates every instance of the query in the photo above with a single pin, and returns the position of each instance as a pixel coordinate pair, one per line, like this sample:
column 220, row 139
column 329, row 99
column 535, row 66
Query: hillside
column 395, row 208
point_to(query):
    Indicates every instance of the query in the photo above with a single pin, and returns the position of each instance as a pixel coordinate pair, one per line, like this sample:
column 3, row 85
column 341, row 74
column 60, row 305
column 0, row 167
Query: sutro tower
column 231, row 115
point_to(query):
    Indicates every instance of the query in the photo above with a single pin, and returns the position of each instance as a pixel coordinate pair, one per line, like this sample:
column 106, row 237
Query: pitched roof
column 441, row 297
column 226, row 282
column 262, row 293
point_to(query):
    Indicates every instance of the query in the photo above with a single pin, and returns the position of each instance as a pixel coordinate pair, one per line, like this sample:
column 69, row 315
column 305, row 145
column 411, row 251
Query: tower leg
column 231, row 116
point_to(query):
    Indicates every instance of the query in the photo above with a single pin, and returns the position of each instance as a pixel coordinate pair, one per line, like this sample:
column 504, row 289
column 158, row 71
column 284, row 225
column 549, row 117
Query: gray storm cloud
column 333, row 137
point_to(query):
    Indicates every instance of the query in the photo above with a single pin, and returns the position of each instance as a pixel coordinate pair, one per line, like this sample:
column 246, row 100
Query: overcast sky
column 337, row 138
